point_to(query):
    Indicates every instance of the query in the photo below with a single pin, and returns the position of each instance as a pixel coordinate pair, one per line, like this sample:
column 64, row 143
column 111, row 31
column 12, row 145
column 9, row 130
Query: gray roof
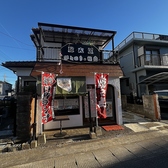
column 71, row 34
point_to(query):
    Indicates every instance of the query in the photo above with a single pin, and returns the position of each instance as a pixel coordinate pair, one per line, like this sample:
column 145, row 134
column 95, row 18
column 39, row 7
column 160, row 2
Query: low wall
column 149, row 109
column 151, row 106
column 24, row 116
column 135, row 108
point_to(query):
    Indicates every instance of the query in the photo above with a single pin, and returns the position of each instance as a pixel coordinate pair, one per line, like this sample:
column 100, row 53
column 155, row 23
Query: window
column 152, row 57
column 29, row 83
column 162, row 95
column 66, row 105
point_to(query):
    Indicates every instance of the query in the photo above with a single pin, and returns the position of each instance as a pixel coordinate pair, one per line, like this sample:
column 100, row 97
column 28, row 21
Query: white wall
column 127, row 65
column 74, row 120
column 77, row 120
column 23, row 71
column 115, row 82
column 5, row 86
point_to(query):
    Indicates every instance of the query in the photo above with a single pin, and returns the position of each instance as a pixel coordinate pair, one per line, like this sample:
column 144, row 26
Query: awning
column 160, row 78
column 54, row 33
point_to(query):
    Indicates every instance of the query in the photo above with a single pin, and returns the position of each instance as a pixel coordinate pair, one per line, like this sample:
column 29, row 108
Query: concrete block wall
column 135, row 108
column 151, row 106
column 23, row 116
column 149, row 109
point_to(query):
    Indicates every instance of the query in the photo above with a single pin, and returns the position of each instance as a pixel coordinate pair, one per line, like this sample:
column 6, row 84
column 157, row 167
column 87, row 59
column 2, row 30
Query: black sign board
column 80, row 53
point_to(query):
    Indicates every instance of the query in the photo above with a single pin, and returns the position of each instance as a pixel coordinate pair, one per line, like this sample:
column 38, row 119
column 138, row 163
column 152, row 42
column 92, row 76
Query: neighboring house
column 5, row 88
column 143, row 58
column 74, row 53
column 23, row 69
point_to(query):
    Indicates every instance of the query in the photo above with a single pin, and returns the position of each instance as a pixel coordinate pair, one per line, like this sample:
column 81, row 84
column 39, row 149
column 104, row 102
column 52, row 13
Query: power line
column 9, row 77
column 16, row 39
column 5, row 54
column 16, row 47
column 10, row 35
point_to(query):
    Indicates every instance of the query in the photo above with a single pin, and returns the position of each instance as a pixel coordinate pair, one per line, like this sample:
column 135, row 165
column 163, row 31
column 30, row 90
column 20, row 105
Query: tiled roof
column 19, row 64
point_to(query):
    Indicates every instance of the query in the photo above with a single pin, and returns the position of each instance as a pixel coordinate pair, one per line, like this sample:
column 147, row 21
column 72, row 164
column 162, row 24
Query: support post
column 35, row 111
column 90, row 117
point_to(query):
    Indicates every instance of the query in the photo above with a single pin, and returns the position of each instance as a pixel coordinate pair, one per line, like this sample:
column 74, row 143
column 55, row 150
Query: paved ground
column 141, row 143
column 95, row 153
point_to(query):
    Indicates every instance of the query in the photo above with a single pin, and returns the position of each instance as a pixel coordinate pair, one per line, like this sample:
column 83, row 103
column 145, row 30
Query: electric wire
column 16, row 39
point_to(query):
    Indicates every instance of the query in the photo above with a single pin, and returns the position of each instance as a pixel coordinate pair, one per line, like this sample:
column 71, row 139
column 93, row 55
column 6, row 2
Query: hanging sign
column 80, row 53
column 48, row 81
column 101, row 82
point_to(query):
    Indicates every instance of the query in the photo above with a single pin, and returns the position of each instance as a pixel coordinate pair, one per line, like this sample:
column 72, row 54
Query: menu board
column 92, row 104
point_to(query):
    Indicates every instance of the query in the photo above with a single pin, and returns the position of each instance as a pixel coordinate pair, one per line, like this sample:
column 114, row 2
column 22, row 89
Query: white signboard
column 92, row 104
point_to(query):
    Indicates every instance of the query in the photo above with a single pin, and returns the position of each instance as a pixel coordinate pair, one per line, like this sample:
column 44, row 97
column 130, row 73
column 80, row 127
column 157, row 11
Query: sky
column 18, row 17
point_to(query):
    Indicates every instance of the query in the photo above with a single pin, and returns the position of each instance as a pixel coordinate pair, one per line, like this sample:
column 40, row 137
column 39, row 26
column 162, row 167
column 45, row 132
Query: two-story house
column 144, row 60
column 5, row 88
column 74, row 54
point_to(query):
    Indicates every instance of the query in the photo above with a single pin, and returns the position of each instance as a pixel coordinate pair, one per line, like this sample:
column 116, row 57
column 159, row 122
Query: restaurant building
column 74, row 56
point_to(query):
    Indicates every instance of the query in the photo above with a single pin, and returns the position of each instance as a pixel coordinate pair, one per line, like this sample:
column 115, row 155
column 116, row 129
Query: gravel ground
column 61, row 141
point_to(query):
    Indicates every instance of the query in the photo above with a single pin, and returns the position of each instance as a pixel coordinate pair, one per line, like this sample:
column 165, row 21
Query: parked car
column 7, row 98
column 163, row 98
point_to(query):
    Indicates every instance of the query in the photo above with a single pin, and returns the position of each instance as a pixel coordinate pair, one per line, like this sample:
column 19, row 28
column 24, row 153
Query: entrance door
column 110, row 108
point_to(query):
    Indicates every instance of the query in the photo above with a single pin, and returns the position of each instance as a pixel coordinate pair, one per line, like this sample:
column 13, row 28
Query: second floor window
column 152, row 57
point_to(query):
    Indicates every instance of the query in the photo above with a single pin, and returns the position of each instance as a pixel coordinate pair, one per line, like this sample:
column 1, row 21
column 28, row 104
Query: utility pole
column 4, row 78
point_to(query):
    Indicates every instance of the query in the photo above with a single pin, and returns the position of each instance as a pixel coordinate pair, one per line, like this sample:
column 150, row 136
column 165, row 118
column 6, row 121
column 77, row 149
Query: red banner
column 47, row 84
column 101, row 81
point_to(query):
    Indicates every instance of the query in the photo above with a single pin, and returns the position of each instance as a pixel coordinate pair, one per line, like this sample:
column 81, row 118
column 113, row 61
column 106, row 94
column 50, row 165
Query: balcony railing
column 154, row 60
column 142, row 36
column 49, row 54
column 53, row 54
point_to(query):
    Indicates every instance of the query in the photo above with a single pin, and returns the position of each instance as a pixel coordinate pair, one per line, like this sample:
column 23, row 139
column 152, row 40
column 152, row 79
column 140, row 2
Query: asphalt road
column 104, row 158
column 157, row 160
column 145, row 150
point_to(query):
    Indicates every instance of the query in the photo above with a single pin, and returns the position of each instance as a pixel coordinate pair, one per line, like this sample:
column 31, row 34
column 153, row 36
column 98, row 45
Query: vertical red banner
column 101, row 81
column 47, row 84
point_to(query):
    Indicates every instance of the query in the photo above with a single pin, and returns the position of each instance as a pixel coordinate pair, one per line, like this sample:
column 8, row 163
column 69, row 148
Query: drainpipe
column 147, row 90
column 17, row 86
column 112, row 41
column 90, row 117
column 136, row 80
column 35, row 112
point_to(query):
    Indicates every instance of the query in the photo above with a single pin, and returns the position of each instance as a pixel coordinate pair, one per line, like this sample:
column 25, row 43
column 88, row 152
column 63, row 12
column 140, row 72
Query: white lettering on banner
column 48, row 81
column 102, row 82
column 101, row 88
